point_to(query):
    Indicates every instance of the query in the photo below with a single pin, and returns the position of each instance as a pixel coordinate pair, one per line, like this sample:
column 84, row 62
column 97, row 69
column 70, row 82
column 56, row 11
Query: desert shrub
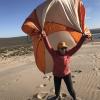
column 16, row 51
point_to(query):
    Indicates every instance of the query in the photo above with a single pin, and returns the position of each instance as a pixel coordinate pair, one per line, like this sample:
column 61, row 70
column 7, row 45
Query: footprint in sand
column 65, row 96
column 47, row 77
column 77, row 71
column 99, row 69
column 40, row 96
column 43, row 85
column 17, row 78
column 73, row 76
column 73, row 81
column 28, row 99
column 98, row 88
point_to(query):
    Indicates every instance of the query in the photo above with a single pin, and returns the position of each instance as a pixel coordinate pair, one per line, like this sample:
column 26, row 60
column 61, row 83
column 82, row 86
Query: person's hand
column 88, row 36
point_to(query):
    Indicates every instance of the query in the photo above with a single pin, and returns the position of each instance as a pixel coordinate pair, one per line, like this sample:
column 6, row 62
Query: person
column 61, row 59
column 61, row 56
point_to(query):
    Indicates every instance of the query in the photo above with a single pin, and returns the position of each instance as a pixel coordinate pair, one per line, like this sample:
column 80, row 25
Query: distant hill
column 15, row 41
column 24, row 40
column 96, row 34
column 97, row 30
column 96, row 37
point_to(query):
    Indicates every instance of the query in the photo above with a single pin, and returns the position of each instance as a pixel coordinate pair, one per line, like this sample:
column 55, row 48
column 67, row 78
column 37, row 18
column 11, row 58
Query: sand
column 21, row 80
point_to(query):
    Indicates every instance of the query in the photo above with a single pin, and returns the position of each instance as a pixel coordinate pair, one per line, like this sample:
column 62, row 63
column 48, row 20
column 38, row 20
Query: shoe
column 58, row 98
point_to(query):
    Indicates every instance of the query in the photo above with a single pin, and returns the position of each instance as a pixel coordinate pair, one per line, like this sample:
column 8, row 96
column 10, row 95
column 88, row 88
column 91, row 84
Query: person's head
column 62, row 48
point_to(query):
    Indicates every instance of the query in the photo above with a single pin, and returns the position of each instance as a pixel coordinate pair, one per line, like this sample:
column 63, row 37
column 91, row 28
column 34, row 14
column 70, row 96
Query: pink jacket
column 61, row 63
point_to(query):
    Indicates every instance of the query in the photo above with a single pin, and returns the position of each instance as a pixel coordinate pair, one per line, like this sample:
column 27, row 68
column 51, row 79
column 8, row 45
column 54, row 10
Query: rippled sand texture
column 21, row 80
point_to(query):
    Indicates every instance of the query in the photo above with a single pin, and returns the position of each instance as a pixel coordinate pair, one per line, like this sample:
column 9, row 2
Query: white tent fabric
column 64, row 12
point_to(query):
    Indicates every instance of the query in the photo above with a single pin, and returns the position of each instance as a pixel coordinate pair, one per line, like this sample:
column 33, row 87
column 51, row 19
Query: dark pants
column 68, row 81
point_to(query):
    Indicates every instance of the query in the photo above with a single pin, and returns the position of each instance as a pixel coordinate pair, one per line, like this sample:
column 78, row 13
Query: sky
column 14, row 12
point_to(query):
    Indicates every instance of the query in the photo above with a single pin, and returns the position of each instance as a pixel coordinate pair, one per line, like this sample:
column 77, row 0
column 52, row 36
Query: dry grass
column 15, row 51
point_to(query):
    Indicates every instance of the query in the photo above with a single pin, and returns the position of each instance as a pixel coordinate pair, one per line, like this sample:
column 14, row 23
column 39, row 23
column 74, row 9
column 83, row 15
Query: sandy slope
column 20, row 79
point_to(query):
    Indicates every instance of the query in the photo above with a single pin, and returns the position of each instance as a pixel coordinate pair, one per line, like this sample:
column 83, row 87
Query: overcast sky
column 14, row 12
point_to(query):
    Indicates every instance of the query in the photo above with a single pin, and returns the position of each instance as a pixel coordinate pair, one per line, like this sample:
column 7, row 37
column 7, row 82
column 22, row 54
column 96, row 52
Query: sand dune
column 21, row 80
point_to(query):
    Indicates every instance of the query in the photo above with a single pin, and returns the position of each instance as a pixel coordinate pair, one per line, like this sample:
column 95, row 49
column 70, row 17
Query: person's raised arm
column 47, row 43
column 77, row 47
